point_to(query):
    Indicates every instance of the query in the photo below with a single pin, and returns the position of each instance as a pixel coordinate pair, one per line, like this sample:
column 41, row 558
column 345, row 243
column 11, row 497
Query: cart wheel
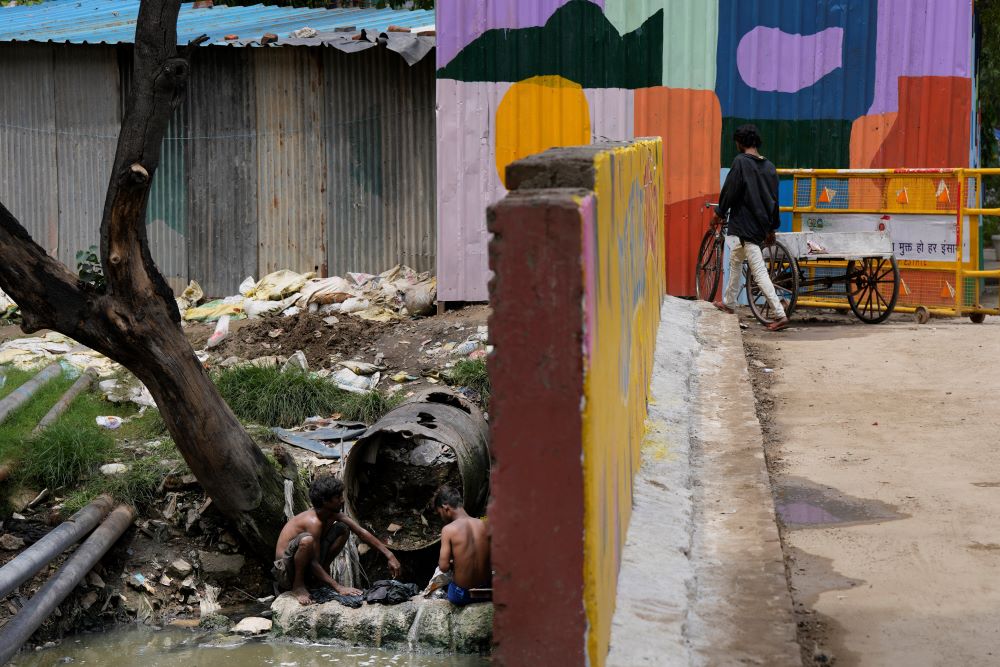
column 784, row 273
column 873, row 288
column 708, row 272
column 977, row 318
column 922, row 315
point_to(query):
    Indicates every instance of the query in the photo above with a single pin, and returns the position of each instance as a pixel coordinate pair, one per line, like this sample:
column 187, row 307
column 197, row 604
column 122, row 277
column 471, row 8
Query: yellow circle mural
column 537, row 114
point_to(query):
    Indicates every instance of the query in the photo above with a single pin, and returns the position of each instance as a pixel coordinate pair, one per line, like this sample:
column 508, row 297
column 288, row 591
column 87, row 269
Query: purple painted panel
column 467, row 184
column 919, row 38
column 760, row 54
column 459, row 22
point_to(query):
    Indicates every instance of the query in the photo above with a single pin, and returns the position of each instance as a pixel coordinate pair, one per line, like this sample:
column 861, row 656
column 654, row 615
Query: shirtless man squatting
column 311, row 540
column 465, row 547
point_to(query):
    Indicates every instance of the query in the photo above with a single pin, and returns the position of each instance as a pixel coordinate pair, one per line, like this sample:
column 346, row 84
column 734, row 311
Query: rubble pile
column 390, row 295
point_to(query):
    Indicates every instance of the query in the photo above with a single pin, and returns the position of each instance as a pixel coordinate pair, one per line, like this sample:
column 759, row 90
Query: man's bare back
column 468, row 543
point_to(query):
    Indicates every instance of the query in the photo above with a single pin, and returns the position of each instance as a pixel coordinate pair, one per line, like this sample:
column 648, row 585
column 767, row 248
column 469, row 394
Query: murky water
column 804, row 504
column 146, row 647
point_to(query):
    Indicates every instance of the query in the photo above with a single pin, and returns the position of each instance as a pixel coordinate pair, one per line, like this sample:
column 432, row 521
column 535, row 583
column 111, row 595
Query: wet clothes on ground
column 384, row 591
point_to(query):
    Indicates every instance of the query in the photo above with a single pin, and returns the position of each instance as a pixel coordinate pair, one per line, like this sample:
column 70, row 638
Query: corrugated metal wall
column 85, row 143
column 380, row 157
column 222, row 166
column 28, row 174
column 301, row 158
column 290, row 161
column 829, row 83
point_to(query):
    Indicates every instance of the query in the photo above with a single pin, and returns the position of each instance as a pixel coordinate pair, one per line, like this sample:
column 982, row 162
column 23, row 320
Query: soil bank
column 882, row 446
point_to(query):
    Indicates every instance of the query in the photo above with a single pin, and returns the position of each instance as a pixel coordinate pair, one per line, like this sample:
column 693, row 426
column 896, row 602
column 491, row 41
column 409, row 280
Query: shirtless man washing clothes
column 465, row 547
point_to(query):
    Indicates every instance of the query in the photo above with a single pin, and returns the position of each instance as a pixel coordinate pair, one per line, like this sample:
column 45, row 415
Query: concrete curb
column 702, row 580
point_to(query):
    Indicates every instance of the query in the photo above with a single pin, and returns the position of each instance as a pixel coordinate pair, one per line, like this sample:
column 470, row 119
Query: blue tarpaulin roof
column 113, row 21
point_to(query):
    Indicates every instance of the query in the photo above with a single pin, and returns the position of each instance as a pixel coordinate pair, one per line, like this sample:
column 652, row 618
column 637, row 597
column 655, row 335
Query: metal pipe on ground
column 395, row 468
column 82, row 382
column 30, row 561
column 23, row 394
column 26, row 621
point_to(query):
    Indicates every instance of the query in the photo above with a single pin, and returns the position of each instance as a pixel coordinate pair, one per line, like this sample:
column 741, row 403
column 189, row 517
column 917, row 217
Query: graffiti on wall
column 876, row 84
column 624, row 285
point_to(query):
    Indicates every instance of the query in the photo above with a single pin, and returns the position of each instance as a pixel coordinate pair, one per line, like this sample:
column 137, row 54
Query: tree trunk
column 136, row 321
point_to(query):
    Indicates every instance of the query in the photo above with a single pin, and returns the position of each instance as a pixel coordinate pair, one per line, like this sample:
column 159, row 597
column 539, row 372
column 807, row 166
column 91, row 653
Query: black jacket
column 750, row 194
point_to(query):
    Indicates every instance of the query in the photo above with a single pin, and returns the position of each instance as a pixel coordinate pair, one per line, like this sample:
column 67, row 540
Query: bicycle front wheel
column 708, row 272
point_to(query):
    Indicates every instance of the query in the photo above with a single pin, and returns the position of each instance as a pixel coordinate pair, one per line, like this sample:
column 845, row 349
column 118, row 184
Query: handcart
column 829, row 266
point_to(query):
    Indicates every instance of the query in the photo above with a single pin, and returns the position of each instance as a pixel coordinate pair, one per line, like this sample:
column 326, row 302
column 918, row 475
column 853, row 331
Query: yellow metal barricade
column 933, row 216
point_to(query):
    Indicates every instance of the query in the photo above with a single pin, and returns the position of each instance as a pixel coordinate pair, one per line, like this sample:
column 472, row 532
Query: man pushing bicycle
column 750, row 198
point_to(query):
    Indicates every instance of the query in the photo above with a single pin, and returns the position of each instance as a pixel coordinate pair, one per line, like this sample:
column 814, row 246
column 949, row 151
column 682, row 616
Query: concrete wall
column 578, row 256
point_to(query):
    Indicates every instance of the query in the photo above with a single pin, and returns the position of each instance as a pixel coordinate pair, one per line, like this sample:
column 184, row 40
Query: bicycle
column 708, row 271
column 781, row 267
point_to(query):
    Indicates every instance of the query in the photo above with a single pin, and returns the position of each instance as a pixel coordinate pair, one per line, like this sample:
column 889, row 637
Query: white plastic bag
column 220, row 333
column 247, row 285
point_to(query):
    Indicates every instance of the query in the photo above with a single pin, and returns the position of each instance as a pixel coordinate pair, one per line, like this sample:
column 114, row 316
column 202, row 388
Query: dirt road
column 885, row 460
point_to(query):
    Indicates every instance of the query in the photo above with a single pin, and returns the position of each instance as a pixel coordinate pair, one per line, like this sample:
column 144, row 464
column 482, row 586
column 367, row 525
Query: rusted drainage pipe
column 20, row 628
column 63, row 536
column 394, row 470
column 23, row 394
column 63, row 403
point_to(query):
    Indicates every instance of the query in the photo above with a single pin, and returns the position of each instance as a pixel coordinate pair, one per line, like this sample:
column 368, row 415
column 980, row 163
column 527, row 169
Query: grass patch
column 275, row 398
column 271, row 397
column 147, row 426
column 136, row 487
column 63, row 454
column 368, row 407
column 472, row 373
column 15, row 432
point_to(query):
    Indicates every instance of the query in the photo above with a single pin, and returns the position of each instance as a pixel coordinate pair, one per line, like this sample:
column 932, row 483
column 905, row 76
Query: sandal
column 723, row 307
column 779, row 325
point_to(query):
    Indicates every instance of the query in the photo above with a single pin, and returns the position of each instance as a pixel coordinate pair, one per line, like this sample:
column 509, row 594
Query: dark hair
column 747, row 136
column 324, row 488
column 448, row 496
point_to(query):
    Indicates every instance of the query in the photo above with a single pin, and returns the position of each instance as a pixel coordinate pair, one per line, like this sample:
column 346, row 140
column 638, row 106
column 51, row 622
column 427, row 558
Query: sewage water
column 147, row 647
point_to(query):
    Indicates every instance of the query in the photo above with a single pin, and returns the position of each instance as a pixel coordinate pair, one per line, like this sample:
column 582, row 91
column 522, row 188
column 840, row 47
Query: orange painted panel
column 868, row 133
column 690, row 123
column 933, row 125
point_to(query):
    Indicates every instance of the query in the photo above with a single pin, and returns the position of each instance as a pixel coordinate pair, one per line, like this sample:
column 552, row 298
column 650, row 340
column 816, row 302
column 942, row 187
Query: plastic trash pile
column 9, row 311
column 395, row 293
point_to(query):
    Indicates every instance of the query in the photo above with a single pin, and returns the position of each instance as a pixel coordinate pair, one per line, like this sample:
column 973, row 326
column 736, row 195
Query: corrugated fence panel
column 28, row 181
column 166, row 224
column 380, row 156
column 355, row 170
column 87, row 89
column 409, row 154
column 222, row 171
column 290, row 163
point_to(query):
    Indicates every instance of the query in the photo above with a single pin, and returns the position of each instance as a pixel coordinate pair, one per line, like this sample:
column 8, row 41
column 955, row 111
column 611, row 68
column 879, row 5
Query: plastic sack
column 348, row 380
column 220, row 333
column 279, row 284
column 354, row 305
column 247, row 285
column 254, row 308
column 110, row 422
column 326, row 290
column 212, row 311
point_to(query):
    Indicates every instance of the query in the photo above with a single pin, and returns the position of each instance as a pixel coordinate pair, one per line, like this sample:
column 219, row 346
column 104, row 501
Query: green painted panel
column 817, row 144
column 690, row 33
column 578, row 43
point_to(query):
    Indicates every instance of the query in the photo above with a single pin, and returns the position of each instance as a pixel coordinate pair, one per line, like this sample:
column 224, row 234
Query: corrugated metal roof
column 113, row 21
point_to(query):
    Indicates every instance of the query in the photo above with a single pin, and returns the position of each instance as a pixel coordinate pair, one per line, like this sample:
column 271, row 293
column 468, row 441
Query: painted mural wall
column 830, row 83
column 624, row 285
column 573, row 364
